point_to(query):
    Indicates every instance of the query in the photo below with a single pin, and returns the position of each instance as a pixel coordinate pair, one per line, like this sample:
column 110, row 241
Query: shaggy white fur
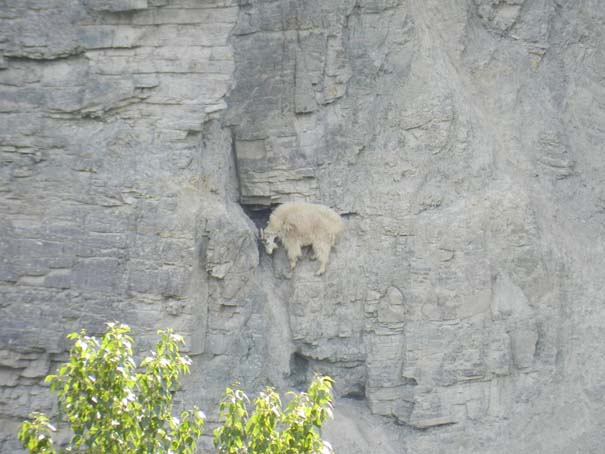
column 298, row 224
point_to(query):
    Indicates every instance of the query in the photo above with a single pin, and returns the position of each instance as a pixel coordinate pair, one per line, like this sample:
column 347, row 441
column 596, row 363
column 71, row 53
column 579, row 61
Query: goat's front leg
column 294, row 251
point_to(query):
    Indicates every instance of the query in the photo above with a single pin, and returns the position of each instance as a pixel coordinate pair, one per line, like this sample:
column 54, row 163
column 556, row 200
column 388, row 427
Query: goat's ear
column 262, row 234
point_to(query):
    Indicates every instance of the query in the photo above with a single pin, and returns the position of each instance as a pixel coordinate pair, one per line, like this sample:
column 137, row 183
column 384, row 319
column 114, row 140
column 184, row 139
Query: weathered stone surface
column 142, row 140
column 115, row 6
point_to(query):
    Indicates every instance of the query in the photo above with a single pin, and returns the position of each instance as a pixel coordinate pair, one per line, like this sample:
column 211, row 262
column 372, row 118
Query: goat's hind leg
column 322, row 252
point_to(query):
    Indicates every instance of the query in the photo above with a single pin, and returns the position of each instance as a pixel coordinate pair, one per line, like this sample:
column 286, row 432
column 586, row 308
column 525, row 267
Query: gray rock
column 115, row 6
column 142, row 142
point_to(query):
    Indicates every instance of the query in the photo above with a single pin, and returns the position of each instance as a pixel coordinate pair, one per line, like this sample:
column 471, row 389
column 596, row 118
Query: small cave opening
column 299, row 369
column 259, row 214
column 358, row 392
column 410, row 381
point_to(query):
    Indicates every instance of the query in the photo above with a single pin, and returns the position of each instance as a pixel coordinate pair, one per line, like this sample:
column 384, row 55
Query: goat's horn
column 262, row 233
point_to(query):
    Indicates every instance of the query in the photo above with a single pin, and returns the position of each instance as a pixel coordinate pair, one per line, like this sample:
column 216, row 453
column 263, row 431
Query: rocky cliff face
column 461, row 141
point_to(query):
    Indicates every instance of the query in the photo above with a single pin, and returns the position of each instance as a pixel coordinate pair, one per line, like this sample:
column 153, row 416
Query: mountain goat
column 298, row 224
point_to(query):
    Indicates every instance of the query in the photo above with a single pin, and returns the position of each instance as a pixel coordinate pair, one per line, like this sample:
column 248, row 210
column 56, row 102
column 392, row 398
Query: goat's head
column 269, row 240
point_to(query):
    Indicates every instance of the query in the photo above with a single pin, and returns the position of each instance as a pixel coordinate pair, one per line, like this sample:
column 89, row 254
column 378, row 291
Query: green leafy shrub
column 268, row 428
column 114, row 407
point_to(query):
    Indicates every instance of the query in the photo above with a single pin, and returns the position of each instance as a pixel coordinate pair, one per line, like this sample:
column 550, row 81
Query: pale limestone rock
column 142, row 140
